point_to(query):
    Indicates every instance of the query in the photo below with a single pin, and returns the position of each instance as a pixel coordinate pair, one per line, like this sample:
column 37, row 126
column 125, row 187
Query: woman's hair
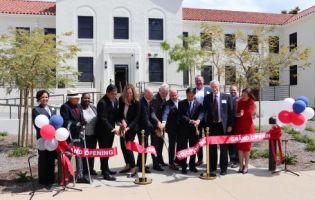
column 134, row 92
column 40, row 93
column 249, row 93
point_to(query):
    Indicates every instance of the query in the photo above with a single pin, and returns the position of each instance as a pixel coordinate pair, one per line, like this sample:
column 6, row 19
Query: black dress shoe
column 112, row 172
column 184, row 171
column 124, row 171
column 131, row 173
column 212, row 174
column 158, row 168
column 163, row 164
column 200, row 162
column 93, row 172
column 147, row 170
column 223, row 173
column 193, row 169
column 109, row 177
column 173, row 167
column 83, row 180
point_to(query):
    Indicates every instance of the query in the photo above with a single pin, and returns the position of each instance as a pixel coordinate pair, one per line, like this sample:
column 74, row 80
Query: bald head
column 173, row 94
column 148, row 94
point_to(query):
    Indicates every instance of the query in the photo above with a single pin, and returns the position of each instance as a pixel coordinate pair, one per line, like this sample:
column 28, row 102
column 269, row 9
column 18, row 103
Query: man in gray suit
column 218, row 116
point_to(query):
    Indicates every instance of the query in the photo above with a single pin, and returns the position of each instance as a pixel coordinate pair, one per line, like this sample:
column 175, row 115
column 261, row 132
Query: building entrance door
column 121, row 76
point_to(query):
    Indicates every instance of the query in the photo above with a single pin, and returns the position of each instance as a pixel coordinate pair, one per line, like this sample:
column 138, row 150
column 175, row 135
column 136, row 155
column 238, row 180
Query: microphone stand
column 86, row 158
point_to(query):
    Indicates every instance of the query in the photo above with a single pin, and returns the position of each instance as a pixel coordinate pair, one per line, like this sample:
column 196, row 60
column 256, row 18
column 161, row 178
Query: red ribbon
column 229, row 139
column 66, row 167
column 276, row 133
column 132, row 146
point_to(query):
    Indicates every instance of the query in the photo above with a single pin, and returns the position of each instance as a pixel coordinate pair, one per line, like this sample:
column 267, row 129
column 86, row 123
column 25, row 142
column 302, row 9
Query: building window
column 121, row 28
column 155, row 29
column 156, row 70
column 229, row 41
column 207, row 74
column 273, row 44
column 230, row 75
column 185, row 77
column 85, row 27
column 27, row 29
column 185, row 35
column 293, row 41
column 293, row 75
column 274, row 77
column 252, row 43
column 206, row 41
column 85, row 67
column 48, row 31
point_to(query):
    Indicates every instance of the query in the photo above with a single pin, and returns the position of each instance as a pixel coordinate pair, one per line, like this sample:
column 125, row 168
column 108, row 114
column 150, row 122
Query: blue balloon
column 303, row 98
column 299, row 106
column 56, row 121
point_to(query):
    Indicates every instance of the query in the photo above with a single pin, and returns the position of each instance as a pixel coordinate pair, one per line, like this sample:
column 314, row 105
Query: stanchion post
column 207, row 176
column 143, row 180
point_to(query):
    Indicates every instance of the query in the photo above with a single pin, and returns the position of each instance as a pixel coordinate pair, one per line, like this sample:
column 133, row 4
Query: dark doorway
column 121, row 76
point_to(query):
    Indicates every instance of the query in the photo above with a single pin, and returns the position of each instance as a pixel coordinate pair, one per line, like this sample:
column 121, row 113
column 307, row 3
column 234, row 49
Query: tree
column 259, row 58
column 214, row 40
column 30, row 60
column 189, row 54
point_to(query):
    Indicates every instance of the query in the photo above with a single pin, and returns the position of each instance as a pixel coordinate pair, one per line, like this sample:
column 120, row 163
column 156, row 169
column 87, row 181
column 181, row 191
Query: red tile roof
column 234, row 16
column 301, row 14
column 27, row 7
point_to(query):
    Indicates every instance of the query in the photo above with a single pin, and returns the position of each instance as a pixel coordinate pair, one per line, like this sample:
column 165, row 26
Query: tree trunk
column 27, row 121
column 25, row 113
column 20, row 116
column 32, row 127
column 191, row 76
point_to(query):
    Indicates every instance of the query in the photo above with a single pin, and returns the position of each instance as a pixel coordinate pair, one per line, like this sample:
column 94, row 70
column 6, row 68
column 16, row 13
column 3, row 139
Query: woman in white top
column 89, row 114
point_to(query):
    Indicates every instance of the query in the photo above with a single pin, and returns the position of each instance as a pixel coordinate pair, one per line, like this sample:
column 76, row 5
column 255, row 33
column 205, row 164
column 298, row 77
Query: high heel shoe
column 124, row 170
column 241, row 170
column 131, row 173
column 245, row 171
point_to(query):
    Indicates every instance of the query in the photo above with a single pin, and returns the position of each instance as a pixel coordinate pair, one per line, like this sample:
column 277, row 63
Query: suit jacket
column 170, row 116
column 225, row 110
column 145, row 121
column 185, row 116
column 133, row 114
column 40, row 110
column 67, row 112
column 107, row 116
column 158, row 105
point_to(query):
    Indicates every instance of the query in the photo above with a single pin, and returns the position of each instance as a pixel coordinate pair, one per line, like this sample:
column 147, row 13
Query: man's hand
column 229, row 129
column 197, row 122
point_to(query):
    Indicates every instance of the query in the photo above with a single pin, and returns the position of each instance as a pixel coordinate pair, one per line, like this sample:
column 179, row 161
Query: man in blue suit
column 219, row 117
column 200, row 92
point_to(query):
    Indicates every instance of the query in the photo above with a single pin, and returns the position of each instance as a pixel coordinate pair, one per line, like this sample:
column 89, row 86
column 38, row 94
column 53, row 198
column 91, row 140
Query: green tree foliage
column 189, row 55
column 31, row 60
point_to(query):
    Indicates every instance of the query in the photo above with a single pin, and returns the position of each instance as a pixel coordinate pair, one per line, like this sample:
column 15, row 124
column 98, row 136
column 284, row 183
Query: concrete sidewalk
column 257, row 184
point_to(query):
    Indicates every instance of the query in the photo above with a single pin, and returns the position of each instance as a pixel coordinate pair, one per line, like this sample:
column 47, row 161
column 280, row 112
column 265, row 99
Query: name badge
column 223, row 101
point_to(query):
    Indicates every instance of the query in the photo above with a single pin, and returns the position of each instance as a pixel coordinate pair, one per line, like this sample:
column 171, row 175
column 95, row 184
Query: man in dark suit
column 72, row 114
column 232, row 147
column 158, row 105
column 200, row 92
column 218, row 116
column 145, row 122
column 107, row 116
column 190, row 116
column 171, row 122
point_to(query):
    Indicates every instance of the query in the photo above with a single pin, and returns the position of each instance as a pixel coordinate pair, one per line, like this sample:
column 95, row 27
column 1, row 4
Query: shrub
column 3, row 133
column 19, row 152
column 309, row 128
column 22, row 176
column 255, row 153
column 291, row 159
column 310, row 146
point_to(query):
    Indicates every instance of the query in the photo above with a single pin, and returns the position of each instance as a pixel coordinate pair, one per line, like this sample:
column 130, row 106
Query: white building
column 120, row 40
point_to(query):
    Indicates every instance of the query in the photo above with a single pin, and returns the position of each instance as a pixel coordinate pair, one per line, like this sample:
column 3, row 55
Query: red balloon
column 284, row 117
column 297, row 119
column 48, row 132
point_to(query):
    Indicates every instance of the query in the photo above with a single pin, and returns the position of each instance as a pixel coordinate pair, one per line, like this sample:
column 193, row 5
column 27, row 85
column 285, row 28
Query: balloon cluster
column 296, row 112
column 51, row 132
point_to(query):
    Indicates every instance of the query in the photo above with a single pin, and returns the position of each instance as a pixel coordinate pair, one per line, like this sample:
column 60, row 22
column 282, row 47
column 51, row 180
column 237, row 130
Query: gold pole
column 143, row 180
column 207, row 176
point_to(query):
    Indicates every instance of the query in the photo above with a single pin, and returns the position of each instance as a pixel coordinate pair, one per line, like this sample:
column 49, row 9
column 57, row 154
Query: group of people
column 183, row 121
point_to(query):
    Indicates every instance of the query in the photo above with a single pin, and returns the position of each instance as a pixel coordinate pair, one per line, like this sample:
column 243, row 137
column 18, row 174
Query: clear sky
column 274, row 6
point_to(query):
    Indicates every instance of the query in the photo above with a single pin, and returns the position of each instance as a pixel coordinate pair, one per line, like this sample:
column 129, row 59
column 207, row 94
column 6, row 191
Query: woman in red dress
column 245, row 112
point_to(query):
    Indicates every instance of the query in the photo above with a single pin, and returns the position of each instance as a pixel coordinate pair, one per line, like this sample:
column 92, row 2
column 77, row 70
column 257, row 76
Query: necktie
column 190, row 107
column 215, row 109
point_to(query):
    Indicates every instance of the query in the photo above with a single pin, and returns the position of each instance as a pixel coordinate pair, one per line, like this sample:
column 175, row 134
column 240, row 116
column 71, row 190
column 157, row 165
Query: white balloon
column 40, row 144
column 288, row 103
column 41, row 120
column 299, row 128
column 51, row 145
column 308, row 113
column 62, row 134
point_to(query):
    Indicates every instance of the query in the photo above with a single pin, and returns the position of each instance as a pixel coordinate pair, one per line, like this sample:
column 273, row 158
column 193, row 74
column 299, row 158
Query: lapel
column 194, row 106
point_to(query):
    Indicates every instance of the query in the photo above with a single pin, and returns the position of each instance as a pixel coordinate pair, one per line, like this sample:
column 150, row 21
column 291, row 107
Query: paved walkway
column 257, row 184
